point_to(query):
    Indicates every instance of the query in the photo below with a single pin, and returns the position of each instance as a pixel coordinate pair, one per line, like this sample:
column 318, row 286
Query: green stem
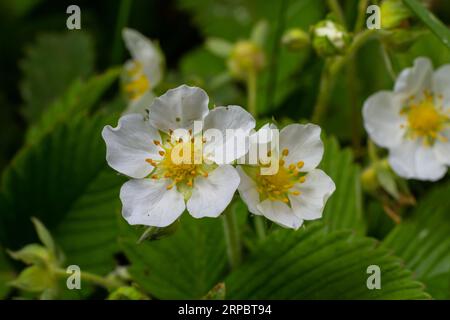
column 353, row 92
column 335, row 7
column 372, row 149
column 251, row 93
column 92, row 278
column 387, row 62
column 331, row 69
column 324, row 93
column 122, row 19
column 361, row 18
column 232, row 237
column 260, row 227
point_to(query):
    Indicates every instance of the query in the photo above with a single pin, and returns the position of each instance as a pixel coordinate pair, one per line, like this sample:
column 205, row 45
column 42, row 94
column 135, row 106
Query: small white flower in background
column 413, row 121
column 161, row 188
column 143, row 72
column 297, row 191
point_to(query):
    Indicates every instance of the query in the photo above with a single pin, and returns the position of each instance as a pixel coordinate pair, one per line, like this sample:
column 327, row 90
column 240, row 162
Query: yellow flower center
column 279, row 186
column 138, row 83
column 181, row 162
column 426, row 120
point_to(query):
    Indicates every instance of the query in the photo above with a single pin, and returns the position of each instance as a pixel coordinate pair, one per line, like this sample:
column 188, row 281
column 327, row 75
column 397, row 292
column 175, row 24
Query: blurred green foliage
column 55, row 99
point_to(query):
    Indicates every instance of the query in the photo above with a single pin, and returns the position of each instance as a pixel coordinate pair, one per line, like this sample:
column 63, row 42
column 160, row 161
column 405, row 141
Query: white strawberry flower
column 413, row 121
column 143, row 72
column 162, row 188
column 298, row 191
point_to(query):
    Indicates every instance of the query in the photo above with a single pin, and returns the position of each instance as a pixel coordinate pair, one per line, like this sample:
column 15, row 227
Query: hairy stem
column 92, row 278
column 251, row 93
column 260, row 227
column 335, row 7
column 232, row 236
column 331, row 69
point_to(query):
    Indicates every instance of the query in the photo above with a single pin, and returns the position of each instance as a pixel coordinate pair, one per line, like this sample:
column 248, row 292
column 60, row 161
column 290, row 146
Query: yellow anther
column 292, row 166
column 300, row 164
column 296, row 193
column 302, row 179
column 161, row 153
column 285, row 152
column 156, row 142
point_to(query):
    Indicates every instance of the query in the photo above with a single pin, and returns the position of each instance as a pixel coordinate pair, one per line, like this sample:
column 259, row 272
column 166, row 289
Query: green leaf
column 44, row 235
column 64, row 181
column 185, row 265
column 314, row 263
column 423, row 241
column 32, row 254
column 80, row 98
column 51, row 64
column 429, row 19
column 344, row 208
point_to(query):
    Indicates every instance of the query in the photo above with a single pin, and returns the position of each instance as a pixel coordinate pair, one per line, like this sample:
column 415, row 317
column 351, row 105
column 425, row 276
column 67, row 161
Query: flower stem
column 232, row 236
column 92, row 278
column 330, row 71
column 324, row 94
column 260, row 227
column 335, row 7
column 361, row 18
column 122, row 18
column 251, row 93
column 387, row 62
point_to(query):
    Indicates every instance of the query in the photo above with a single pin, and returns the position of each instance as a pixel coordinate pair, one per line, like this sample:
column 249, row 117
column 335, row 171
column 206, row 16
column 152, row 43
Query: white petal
column 382, row 119
column 280, row 213
column 413, row 160
column 234, row 123
column 303, row 143
column 441, row 84
column 314, row 193
column 148, row 202
column 442, row 149
column 179, row 108
column 147, row 53
column 211, row 195
column 141, row 104
column 248, row 192
column 129, row 144
column 413, row 81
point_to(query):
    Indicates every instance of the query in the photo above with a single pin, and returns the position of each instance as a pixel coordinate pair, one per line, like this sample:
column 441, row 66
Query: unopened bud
column 295, row 39
column 330, row 38
column 246, row 57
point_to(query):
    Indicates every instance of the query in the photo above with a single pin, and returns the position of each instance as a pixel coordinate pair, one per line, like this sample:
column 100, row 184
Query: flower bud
column 34, row 279
column 245, row 58
column 295, row 39
column 329, row 38
column 32, row 254
column 393, row 13
column 369, row 179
